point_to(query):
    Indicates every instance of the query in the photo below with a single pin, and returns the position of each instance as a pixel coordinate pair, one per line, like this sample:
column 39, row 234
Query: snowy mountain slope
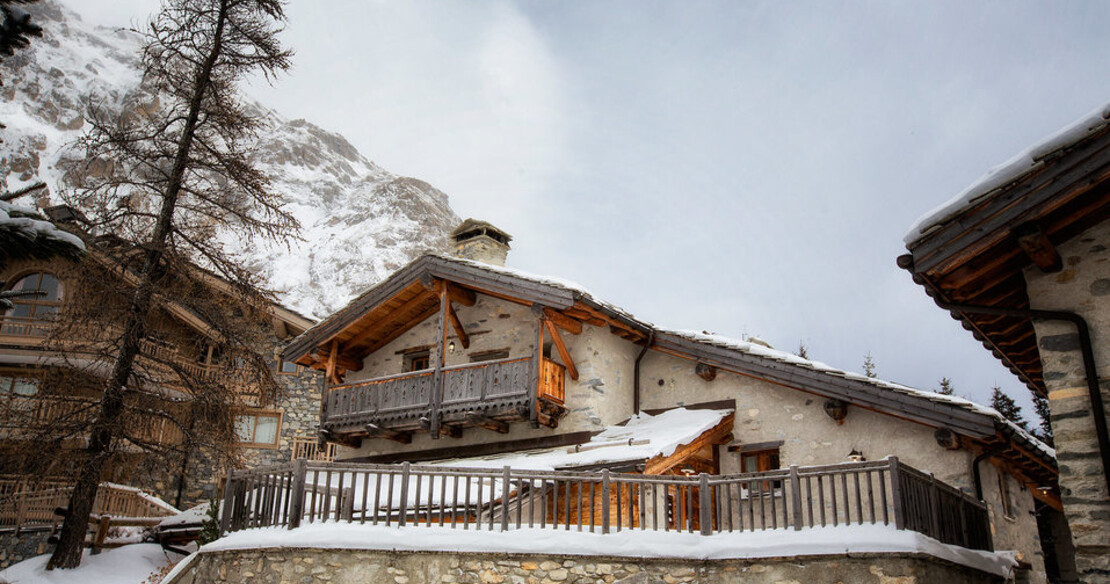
column 360, row 222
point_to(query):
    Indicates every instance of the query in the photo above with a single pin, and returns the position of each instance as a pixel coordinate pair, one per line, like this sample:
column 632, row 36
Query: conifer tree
column 803, row 351
column 1006, row 406
column 1040, row 405
column 179, row 173
column 945, row 386
column 869, row 366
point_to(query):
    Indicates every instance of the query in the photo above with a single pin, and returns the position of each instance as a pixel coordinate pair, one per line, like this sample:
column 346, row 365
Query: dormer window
column 39, row 295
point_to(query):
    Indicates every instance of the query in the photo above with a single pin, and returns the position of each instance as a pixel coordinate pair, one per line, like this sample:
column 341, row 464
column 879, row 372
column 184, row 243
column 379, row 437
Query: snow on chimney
column 480, row 241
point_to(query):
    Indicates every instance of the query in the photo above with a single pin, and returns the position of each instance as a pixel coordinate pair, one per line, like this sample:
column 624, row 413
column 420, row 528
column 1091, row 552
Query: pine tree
column 180, row 172
column 1006, row 406
column 210, row 531
column 803, row 351
column 1040, row 405
column 869, row 366
column 945, row 386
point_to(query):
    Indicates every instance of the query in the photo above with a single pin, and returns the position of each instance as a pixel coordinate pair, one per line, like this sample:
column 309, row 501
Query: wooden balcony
column 161, row 357
column 488, row 394
column 24, row 416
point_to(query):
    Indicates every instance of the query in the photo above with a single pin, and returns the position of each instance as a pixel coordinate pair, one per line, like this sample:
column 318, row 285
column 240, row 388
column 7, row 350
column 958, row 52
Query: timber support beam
column 564, row 354
column 376, row 431
column 482, row 421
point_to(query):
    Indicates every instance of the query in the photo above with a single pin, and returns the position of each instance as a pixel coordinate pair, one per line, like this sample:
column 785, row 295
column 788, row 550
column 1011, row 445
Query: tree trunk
column 71, row 541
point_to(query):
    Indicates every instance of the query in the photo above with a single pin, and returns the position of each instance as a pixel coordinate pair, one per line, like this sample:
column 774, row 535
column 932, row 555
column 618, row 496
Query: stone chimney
column 480, row 241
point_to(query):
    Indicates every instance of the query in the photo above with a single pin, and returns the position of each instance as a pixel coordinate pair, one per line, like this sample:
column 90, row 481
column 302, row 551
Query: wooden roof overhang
column 410, row 296
column 978, row 256
column 1023, row 457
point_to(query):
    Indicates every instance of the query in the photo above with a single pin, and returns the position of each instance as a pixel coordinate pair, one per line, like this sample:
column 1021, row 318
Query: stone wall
column 28, row 544
column 1083, row 287
column 313, row 566
column 769, row 413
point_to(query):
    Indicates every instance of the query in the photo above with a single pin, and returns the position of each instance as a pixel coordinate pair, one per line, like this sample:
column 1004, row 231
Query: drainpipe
column 975, row 468
column 1085, row 345
column 636, row 373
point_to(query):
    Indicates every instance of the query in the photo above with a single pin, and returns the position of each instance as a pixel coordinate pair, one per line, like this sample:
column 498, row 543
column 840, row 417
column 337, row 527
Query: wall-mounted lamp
column 451, row 347
column 856, row 456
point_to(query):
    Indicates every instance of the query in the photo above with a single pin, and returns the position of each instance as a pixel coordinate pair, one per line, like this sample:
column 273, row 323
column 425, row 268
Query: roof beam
column 562, row 348
column 1035, row 243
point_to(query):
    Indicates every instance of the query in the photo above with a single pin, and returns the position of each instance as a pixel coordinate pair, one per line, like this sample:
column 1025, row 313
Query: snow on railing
column 857, row 493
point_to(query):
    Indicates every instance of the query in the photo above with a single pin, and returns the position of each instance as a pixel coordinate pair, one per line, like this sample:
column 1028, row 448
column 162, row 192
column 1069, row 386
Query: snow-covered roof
column 756, row 348
column 28, row 223
column 1008, row 172
column 761, row 350
column 643, row 437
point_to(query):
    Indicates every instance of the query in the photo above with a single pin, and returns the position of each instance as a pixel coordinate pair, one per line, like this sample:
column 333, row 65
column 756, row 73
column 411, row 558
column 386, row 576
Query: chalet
column 462, row 362
column 1022, row 259
column 38, row 397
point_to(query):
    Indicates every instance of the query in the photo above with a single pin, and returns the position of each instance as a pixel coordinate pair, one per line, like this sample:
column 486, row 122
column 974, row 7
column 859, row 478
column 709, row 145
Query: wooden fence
column 884, row 492
column 26, row 505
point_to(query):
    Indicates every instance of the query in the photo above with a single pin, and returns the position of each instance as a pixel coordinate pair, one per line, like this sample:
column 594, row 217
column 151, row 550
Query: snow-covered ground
column 821, row 541
column 131, row 564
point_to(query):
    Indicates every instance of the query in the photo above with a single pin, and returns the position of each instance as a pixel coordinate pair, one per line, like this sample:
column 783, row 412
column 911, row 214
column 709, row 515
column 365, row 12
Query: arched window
column 34, row 307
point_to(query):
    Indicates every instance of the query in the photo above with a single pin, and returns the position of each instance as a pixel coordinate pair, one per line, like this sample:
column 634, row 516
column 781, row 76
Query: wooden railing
column 309, row 449
column 22, row 414
column 843, row 494
column 402, row 400
column 27, row 505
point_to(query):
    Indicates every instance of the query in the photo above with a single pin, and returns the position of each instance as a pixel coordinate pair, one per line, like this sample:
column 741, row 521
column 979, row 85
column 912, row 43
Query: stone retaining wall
column 28, row 544
column 319, row 566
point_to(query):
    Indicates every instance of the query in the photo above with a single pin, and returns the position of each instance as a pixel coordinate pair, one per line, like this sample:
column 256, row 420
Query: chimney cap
column 473, row 228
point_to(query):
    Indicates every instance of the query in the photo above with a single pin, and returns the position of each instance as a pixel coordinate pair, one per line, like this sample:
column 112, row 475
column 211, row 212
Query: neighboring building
column 35, row 397
column 1022, row 259
column 468, row 363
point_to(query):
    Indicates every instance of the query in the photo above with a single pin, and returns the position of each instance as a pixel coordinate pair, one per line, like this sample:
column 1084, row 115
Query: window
column 1004, row 495
column 417, row 360
column 18, row 386
column 759, row 461
column 258, row 428
column 287, row 367
column 44, row 296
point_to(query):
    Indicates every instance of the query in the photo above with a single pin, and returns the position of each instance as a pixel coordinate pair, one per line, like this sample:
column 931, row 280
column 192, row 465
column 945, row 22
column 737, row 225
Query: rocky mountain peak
column 360, row 222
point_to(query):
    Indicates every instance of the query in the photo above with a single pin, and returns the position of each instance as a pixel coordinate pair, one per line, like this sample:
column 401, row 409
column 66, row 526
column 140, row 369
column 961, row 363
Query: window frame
column 281, row 363
column 413, row 358
column 35, row 302
column 257, row 414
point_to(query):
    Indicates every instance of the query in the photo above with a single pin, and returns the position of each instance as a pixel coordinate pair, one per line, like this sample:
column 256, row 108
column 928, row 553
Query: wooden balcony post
column 229, row 498
column 604, row 500
column 505, row 498
column 705, row 511
column 296, row 504
column 404, row 511
column 537, row 359
column 896, row 493
column 441, row 359
column 796, row 497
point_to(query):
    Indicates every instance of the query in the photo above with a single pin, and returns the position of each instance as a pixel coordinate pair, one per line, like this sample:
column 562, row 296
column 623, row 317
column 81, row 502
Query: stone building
column 469, row 362
column 1022, row 259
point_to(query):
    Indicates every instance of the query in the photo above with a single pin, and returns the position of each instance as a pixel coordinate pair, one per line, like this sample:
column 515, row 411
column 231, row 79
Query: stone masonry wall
column 766, row 413
column 312, row 566
column 28, row 544
column 1083, row 287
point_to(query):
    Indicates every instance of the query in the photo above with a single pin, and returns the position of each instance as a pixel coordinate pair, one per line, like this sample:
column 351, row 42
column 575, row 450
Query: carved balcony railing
column 504, row 389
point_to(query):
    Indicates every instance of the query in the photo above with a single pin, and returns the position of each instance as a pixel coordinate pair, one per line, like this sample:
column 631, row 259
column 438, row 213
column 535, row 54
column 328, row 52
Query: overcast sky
column 745, row 168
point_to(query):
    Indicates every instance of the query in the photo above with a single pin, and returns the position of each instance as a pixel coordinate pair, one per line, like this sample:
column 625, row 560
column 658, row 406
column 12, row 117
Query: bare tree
column 170, row 182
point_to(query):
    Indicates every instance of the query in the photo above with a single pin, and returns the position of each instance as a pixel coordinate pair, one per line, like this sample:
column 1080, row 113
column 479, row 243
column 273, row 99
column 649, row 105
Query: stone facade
column 1083, row 287
column 28, row 544
column 313, row 566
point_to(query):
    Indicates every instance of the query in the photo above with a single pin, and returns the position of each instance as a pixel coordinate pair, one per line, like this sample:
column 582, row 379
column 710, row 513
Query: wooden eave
column 975, row 258
column 407, row 298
